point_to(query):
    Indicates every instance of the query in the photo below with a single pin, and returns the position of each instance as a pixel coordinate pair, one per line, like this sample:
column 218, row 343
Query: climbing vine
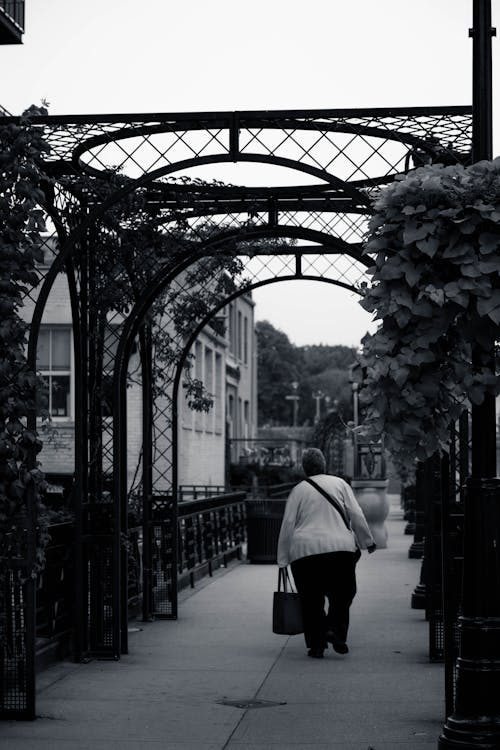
column 21, row 222
column 435, row 238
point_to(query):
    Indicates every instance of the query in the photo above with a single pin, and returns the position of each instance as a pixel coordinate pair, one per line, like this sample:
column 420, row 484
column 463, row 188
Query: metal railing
column 197, row 491
column 210, row 533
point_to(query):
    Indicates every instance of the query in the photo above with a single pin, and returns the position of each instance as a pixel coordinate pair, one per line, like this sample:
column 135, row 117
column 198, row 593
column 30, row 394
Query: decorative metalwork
column 369, row 461
column 126, row 206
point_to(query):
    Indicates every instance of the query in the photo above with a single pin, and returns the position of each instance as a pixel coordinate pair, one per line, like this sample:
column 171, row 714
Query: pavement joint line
column 245, row 710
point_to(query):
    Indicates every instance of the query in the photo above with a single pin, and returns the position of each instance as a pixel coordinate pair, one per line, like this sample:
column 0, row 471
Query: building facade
column 225, row 362
column 227, row 365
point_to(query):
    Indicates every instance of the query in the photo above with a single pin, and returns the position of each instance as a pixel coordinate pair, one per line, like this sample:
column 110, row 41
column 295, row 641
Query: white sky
column 100, row 56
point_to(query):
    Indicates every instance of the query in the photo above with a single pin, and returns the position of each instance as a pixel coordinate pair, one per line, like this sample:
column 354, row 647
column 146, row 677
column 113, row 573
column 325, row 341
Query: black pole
column 475, row 721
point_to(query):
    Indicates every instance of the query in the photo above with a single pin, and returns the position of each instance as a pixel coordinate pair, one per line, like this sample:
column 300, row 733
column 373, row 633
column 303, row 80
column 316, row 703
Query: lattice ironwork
column 136, row 235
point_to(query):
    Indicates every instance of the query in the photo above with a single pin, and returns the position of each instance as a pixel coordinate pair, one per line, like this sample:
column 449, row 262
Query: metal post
column 295, row 399
column 317, row 396
column 475, row 722
column 147, row 469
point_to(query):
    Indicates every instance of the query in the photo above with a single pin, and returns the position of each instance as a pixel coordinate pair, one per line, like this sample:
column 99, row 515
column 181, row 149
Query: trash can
column 263, row 527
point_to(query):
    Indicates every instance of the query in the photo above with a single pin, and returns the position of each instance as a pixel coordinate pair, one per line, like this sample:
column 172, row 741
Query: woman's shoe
column 315, row 653
column 339, row 646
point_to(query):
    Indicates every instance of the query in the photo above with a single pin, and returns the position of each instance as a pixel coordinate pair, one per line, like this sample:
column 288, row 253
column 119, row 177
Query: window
column 209, row 384
column 198, row 361
column 218, row 393
column 246, row 418
column 240, row 336
column 230, row 408
column 230, row 328
column 209, row 371
column 198, row 373
column 54, row 364
column 245, row 340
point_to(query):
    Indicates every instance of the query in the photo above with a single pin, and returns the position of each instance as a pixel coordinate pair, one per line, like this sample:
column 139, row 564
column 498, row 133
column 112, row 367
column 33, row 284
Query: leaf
column 489, row 266
column 436, row 295
column 412, row 275
column 414, row 232
column 390, row 271
column 488, row 242
column 476, row 395
column 490, row 306
column 429, row 246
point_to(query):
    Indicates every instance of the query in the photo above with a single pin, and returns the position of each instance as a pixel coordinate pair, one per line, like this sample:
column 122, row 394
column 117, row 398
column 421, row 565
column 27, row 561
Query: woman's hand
column 371, row 548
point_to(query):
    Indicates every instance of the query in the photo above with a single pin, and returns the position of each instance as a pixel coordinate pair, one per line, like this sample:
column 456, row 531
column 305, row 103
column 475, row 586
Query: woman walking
column 322, row 533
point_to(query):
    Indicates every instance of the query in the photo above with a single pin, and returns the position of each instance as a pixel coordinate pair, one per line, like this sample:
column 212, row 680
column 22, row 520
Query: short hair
column 313, row 461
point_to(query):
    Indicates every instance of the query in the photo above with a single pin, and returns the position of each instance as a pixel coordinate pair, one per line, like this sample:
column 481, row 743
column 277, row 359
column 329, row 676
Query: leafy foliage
column 20, row 227
column 314, row 367
column 278, row 365
column 435, row 237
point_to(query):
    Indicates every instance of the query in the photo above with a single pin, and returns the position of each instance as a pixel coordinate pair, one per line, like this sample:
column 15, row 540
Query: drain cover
column 250, row 703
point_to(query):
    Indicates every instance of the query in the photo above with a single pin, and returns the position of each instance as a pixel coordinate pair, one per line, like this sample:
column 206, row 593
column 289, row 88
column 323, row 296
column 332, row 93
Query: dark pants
column 332, row 575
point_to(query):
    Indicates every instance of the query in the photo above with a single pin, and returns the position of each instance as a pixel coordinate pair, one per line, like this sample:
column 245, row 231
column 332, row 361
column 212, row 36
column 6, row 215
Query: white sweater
column 312, row 526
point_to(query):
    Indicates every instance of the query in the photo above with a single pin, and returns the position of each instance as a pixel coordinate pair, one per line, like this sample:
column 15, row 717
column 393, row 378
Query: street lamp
column 295, row 399
column 317, row 396
column 355, row 405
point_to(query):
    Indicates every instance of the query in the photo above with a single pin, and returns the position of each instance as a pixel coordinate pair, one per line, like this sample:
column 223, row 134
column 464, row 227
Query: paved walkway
column 166, row 693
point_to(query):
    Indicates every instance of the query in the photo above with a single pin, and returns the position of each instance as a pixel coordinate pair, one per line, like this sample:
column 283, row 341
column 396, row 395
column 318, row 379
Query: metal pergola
column 130, row 171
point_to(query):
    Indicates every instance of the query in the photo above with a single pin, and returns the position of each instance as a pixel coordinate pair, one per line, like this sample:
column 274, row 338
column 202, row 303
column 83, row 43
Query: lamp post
column 475, row 722
column 317, row 396
column 355, row 406
column 295, row 398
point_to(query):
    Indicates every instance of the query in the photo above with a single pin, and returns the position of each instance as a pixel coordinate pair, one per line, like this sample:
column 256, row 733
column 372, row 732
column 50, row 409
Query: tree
column 317, row 367
column 278, row 364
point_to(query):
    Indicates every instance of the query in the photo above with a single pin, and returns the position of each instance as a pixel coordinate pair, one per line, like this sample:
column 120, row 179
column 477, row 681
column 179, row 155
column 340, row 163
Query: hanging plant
column 435, row 238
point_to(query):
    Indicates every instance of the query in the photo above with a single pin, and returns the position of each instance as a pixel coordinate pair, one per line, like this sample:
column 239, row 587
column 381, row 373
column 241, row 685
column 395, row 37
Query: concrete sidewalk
column 166, row 693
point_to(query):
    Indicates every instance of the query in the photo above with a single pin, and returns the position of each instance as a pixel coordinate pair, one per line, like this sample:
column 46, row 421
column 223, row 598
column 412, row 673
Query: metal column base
column 419, row 597
column 475, row 722
column 416, row 551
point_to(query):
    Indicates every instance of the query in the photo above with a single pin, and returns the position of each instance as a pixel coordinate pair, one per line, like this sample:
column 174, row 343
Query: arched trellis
column 160, row 502
column 350, row 151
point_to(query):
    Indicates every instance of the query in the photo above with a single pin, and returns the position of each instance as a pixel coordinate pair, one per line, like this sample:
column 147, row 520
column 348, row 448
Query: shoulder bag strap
column 332, row 501
column 284, row 580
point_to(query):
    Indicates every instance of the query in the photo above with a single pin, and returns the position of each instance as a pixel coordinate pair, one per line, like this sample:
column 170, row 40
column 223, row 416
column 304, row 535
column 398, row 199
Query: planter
column 371, row 494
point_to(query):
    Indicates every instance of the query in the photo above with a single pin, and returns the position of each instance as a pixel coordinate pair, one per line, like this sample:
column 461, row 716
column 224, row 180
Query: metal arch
column 132, row 327
column 162, row 279
column 168, row 273
column 279, row 161
column 70, row 243
column 272, row 119
column 200, row 326
column 200, row 121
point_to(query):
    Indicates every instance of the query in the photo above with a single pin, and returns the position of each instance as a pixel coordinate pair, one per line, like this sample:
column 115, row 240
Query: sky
column 117, row 56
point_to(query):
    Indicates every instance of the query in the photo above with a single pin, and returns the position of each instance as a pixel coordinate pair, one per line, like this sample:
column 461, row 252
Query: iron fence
column 211, row 532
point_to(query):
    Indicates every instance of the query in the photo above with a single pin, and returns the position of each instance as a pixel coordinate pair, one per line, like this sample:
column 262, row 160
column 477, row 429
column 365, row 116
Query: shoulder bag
column 287, row 607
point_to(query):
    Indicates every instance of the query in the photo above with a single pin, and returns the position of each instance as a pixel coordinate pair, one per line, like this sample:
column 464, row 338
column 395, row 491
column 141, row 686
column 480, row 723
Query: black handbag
column 287, row 607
